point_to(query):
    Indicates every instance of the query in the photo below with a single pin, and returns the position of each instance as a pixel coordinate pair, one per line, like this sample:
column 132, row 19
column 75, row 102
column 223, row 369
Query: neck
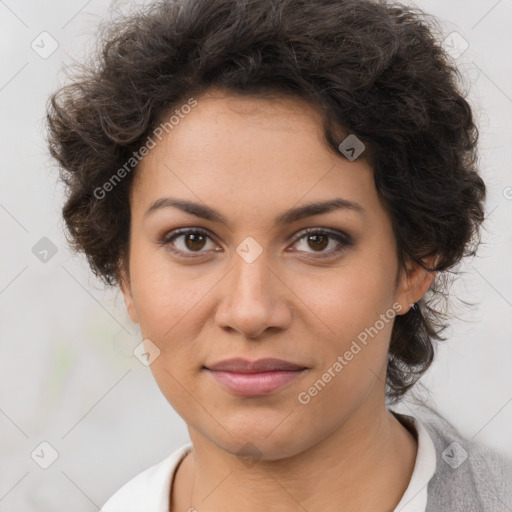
column 366, row 465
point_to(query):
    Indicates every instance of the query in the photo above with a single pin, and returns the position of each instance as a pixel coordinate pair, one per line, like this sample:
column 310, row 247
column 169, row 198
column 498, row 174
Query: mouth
column 255, row 378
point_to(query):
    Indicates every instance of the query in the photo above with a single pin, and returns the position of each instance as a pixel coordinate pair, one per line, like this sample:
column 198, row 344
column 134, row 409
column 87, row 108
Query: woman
column 279, row 188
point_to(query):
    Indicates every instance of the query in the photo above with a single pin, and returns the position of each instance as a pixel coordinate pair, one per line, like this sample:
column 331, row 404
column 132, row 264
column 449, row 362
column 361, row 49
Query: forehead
column 260, row 151
column 221, row 122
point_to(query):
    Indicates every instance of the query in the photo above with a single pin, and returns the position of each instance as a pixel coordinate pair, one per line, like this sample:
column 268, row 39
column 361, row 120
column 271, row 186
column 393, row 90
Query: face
column 254, row 280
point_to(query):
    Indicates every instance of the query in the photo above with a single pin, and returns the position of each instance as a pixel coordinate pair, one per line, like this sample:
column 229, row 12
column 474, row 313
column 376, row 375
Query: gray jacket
column 469, row 476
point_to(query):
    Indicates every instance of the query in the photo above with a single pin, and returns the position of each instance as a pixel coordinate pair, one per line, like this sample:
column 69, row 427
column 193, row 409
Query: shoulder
column 149, row 490
column 469, row 476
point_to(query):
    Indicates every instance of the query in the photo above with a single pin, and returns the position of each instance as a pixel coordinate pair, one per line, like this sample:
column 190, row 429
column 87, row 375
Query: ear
column 413, row 284
column 124, row 283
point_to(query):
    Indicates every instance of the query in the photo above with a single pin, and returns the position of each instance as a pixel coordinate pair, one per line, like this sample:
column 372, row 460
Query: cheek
column 355, row 305
column 352, row 361
column 161, row 296
column 354, row 298
column 163, row 308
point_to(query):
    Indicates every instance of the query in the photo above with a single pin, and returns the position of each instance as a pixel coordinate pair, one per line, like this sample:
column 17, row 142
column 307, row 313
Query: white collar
column 416, row 494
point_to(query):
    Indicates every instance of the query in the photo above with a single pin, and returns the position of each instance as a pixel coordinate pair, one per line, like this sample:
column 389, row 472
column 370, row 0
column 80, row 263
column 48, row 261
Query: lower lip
column 255, row 384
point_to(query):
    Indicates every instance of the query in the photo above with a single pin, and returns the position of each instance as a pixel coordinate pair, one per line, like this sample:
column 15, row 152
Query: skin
column 251, row 159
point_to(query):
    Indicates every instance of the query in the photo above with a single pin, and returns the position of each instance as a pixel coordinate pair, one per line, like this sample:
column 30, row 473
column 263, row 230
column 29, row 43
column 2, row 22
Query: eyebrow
column 289, row 216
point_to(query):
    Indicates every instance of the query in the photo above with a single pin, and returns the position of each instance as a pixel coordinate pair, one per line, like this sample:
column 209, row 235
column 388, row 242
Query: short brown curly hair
column 372, row 68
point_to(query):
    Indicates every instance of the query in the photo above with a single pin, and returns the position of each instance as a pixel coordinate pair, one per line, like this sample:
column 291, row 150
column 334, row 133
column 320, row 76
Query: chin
column 265, row 443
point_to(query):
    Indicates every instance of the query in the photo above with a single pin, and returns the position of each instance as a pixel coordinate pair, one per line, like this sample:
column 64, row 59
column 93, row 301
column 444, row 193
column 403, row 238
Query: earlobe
column 124, row 284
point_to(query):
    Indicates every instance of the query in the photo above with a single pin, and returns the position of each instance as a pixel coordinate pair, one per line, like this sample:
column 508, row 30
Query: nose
column 254, row 299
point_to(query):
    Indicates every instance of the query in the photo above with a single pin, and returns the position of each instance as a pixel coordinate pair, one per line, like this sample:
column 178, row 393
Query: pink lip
column 254, row 384
column 254, row 378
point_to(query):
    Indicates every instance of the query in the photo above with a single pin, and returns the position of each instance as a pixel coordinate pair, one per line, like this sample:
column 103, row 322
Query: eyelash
column 340, row 237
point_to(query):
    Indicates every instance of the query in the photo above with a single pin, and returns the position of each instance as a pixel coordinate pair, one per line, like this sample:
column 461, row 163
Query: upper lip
column 239, row 365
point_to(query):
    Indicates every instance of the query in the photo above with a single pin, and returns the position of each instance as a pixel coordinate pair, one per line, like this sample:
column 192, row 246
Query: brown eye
column 194, row 241
column 188, row 241
column 318, row 240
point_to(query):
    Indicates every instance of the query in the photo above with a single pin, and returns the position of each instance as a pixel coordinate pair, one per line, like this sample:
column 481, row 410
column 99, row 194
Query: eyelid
column 328, row 231
column 184, row 231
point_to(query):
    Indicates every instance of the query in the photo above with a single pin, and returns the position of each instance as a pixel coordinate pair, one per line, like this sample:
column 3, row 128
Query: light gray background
column 67, row 372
